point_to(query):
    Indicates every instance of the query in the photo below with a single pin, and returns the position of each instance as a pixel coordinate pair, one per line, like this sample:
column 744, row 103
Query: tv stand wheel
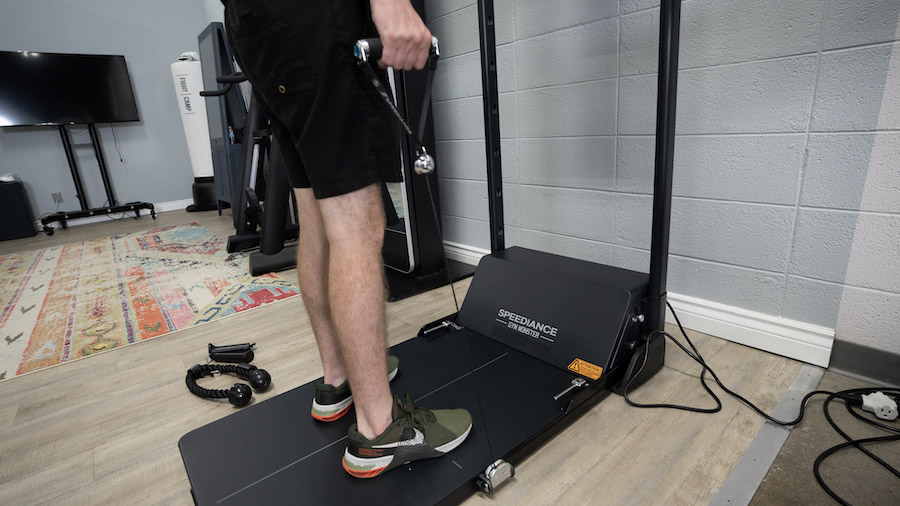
column 48, row 230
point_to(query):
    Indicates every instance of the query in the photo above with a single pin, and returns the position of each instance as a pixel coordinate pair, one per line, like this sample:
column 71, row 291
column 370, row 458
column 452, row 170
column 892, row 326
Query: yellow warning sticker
column 586, row 369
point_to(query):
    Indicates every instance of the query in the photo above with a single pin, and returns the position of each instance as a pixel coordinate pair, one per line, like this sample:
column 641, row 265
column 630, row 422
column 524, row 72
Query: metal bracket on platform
column 494, row 475
column 576, row 383
column 435, row 326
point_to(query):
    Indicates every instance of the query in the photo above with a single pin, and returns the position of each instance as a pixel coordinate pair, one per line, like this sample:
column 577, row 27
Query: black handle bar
column 370, row 49
column 229, row 81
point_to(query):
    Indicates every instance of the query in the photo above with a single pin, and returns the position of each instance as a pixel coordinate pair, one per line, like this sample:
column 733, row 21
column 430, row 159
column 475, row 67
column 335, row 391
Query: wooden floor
column 104, row 429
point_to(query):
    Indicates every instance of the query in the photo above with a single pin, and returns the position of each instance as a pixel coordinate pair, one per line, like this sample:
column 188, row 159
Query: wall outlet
column 57, row 197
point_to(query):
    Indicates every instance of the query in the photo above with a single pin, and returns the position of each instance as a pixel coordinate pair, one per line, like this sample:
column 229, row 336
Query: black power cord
column 855, row 443
column 851, row 398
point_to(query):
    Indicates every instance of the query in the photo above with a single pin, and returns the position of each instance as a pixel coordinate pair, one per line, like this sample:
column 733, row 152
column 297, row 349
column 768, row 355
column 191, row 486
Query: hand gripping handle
column 370, row 50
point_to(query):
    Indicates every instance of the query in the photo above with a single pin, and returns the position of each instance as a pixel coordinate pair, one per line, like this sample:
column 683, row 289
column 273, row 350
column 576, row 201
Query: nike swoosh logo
column 417, row 439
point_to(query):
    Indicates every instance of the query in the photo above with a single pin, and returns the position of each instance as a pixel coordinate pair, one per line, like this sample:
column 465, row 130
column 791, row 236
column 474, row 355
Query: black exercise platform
column 276, row 453
column 537, row 335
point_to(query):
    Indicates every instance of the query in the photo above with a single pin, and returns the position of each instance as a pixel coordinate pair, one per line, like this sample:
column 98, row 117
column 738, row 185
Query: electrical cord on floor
column 122, row 215
column 855, row 443
column 697, row 358
column 851, row 398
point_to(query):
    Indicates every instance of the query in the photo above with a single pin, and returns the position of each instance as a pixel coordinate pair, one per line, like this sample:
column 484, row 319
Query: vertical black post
column 669, row 23
column 248, row 173
column 73, row 168
column 277, row 197
column 101, row 161
column 491, row 122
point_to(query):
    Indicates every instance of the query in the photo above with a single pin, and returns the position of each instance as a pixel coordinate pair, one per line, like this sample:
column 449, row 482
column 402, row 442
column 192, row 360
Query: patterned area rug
column 63, row 303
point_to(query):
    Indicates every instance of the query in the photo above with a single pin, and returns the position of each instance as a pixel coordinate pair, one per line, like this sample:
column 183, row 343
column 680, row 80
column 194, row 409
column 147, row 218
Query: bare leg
column 312, row 271
column 349, row 269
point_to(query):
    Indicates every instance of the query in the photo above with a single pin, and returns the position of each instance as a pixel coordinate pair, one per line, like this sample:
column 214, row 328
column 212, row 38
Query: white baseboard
column 464, row 253
column 162, row 207
column 174, row 205
column 789, row 338
column 774, row 334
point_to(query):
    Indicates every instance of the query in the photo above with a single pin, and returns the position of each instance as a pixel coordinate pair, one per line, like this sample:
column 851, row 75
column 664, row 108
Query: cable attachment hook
column 424, row 163
column 368, row 50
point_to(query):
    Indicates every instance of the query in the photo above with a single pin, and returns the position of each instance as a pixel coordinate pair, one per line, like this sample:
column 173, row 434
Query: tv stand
column 86, row 211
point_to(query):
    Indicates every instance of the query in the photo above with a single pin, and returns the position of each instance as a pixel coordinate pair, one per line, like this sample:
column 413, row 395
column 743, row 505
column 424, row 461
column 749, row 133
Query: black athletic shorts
column 335, row 134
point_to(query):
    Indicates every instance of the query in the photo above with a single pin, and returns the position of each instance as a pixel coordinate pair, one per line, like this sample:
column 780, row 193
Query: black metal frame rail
column 486, row 31
column 667, row 92
column 670, row 19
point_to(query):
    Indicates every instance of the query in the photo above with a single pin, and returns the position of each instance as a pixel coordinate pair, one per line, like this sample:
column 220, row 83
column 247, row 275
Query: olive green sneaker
column 416, row 434
column 331, row 402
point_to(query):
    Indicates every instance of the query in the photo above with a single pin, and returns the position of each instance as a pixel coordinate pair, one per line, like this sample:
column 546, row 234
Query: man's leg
column 350, row 267
column 312, row 271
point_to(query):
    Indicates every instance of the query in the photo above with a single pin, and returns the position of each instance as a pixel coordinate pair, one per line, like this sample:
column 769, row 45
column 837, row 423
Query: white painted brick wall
column 567, row 111
column 822, row 242
column 840, row 164
column 853, row 23
column 573, row 55
column 580, row 162
column 626, row 6
column 716, row 167
column 787, row 163
column 537, row 17
column 851, row 90
column 567, row 211
column 754, row 97
column 568, row 246
column 727, row 31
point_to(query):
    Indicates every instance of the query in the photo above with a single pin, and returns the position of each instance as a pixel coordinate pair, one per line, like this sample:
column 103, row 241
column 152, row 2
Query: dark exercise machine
column 249, row 176
column 226, row 116
column 266, row 228
column 537, row 336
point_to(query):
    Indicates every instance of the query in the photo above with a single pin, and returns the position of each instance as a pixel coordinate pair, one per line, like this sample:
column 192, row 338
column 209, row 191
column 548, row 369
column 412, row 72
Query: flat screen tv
column 61, row 89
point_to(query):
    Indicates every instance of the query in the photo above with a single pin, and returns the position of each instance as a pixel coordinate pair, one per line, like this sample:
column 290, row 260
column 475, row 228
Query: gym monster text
column 526, row 325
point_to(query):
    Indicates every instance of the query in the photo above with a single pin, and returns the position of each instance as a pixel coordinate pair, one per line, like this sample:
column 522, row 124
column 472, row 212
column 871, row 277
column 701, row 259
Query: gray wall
column 787, row 164
column 215, row 11
column 154, row 165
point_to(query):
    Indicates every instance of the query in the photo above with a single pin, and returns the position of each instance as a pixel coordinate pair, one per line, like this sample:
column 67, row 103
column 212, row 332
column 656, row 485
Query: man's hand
column 404, row 36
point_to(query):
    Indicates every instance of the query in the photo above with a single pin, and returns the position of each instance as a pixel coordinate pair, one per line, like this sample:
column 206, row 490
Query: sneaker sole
column 333, row 412
column 361, row 467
